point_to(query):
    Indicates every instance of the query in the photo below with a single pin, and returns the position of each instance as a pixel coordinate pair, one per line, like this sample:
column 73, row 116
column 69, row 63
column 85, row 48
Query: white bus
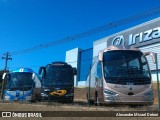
column 121, row 75
column 22, row 84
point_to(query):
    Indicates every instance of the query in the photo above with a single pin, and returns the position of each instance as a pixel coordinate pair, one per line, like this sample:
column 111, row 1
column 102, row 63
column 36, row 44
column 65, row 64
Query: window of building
column 85, row 59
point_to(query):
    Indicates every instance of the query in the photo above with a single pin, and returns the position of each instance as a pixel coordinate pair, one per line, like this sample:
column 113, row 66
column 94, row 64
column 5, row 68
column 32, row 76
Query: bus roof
column 116, row 47
column 23, row 70
column 59, row 64
column 120, row 47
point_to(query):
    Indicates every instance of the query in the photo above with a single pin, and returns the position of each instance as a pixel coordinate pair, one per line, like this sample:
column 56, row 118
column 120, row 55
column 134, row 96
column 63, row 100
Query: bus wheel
column 89, row 100
column 96, row 99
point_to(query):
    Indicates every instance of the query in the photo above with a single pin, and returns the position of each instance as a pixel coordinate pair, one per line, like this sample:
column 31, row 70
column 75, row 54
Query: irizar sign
column 139, row 37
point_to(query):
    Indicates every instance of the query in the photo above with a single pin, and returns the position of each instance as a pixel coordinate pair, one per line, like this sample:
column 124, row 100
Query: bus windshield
column 58, row 76
column 126, row 67
column 19, row 81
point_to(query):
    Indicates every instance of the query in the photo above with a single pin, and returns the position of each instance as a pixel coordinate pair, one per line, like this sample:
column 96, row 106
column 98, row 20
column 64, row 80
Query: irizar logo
column 139, row 37
column 119, row 40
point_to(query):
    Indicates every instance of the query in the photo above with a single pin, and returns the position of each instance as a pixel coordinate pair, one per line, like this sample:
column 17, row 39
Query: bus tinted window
column 121, row 67
column 19, row 81
column 58, row 76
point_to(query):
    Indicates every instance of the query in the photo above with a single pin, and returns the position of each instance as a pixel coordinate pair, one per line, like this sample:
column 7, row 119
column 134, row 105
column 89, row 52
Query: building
column 145, row 36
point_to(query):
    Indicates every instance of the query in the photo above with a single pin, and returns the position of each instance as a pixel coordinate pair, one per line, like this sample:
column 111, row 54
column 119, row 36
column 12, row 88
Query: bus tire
column 71, row 99
column 96, row 99
column 41, row 99
column 89, row 100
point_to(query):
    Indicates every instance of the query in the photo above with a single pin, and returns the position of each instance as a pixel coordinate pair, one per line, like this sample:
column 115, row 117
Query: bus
column 57, row 82
column 121, row 75
column 22, row 84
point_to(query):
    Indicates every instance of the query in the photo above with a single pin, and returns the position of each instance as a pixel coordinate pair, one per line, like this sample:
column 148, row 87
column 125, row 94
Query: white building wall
column 98, row 47
column 72, row 59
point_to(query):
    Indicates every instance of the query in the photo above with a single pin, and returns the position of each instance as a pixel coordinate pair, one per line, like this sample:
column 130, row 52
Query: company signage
column 141, row 35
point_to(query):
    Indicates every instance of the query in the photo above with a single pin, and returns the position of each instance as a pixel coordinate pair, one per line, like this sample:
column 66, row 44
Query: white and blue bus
column 21, row 84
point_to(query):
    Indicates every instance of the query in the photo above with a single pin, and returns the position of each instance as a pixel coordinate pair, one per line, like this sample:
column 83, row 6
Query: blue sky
column 28, row 23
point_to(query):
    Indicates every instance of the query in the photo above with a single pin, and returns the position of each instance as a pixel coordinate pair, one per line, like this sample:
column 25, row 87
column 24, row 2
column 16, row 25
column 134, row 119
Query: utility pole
column 7, row 58
column 5, row 70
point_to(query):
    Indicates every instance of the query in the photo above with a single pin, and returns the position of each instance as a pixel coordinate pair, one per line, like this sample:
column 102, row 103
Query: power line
column 130, row 19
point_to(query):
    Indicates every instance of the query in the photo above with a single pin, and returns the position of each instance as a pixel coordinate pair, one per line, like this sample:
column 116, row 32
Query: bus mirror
column 100, row 56
column 4, row 75
column 33, row 76
column 40, row 70
column 152, row 54
column 74, row 71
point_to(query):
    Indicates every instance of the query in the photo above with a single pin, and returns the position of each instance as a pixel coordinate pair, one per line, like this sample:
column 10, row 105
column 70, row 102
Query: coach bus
column 57, row 82
column 22, row 84
column 121, row 75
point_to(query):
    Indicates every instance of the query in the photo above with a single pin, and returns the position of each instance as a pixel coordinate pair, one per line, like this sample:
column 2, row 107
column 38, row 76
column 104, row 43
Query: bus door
column 99, row 83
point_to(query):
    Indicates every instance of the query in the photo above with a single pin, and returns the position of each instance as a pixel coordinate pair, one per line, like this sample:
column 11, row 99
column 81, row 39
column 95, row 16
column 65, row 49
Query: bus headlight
column 109, row 98
column 109, row 95
column 44, row 95
column 46, row 90
column 108, row 92
column 6, row 97
column 28, row 97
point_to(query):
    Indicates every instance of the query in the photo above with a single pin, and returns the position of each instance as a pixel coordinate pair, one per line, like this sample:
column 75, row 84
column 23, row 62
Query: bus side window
column 98, row 74
column 99, row 71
